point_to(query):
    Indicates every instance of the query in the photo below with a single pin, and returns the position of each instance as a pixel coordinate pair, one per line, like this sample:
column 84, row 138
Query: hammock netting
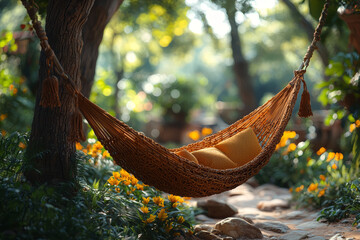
column 160, row 167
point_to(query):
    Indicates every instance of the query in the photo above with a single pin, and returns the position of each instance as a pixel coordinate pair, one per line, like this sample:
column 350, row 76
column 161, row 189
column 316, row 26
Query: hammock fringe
column 50, row 92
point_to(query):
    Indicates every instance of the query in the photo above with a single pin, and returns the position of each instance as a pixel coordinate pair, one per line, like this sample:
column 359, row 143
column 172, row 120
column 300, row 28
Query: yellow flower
column 98, row 145
column 352, row 127
column 330, row 156
column 146, row 200
column 105, row 154
column 312, row 187
column 321, row 193
column 124, row 173
column 321, row 151
column 174, row 205
column 298, row 189
column 126, row 182
column 144, row 209
column 150, row 219
column 113, row 181
column 22, row 145
column 168, row 227
column 159, row 201
column 117, row 189
column 181, row 219
column 339, row 156
column 133, row 180
column 173, row 198
column 206, row 131
column 78, row 146
column 162, row 215
column 334, row 166
column 194, row 135
column 140, row 186
column 322, row 177
column 116, row 175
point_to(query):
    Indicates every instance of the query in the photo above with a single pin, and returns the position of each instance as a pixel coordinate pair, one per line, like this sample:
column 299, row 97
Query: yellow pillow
column 241, row 148
column 213, row 158
column 186, row 154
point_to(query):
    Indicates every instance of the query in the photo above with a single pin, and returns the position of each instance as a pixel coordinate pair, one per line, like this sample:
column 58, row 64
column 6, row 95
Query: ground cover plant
column 109, row 204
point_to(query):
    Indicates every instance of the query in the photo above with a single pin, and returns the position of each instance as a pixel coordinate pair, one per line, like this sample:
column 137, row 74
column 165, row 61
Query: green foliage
column 96, row 211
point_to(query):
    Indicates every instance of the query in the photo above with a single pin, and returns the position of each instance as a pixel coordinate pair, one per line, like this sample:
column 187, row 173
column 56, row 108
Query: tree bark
column 50, row 152
column 309, row 29
column 93, row 32
column 241, row 68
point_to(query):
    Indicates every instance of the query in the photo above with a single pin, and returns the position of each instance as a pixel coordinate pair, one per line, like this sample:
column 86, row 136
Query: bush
column 100, row 209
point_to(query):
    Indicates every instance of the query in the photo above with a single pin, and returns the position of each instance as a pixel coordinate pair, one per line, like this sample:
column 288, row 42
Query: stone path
column 267, row 208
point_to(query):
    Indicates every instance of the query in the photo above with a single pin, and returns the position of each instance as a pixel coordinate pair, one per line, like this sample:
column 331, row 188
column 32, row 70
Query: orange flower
column 312, row 187
column 113, row 181
column 162, row 215
column 181, row 219
column 144, row 209
column 159, row 201
column 321, row 193
column 321, row 151
column 15, row 91
column 322, row 177
column 22, row 145
column 173, row 198
column 146, row 200
column 334, row 166
column 206, row 131
column 352, row 127
column 291, row 190
column 291, row 147
column 117, row 189
column 140, row 186
column 78, row 146
column 105, row 154
column 3, row 132
column 11, row 87
column 339, row 156
column 299, row 189
column 150, row 219
column 330, row 156
column 3, row 117
column 194, row 135
column 116, row 175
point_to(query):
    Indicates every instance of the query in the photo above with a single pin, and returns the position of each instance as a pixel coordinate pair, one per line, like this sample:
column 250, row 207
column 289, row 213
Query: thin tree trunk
column 241, row 68
column 93, row 31
column 309, row 29
column 50, row 152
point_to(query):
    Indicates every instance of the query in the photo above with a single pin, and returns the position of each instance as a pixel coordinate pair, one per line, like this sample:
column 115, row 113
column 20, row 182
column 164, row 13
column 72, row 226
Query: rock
column 310, row 225
column 205, row 235
column 277, row 227
column 273, row 204
column 252, row 182
column 217, row 209
column 246, row 218
column 237, row 227
column 294, row 235
column 294, row 215
column 337, row 236
column 201, row 227
column 241, row 190
column 346, row 221
column 316, row 238
column 272, row 190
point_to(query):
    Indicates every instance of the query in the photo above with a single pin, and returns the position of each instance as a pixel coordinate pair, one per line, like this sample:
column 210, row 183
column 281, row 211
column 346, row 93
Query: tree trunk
column 304, row 24
column 241, row 68
column 93, row 31
column 50, row 152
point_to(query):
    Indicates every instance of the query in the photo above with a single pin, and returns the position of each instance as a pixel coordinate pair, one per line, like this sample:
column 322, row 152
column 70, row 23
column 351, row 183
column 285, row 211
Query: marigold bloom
column 194, row 135
column 312, row 187
column 322, row 177
column 330, row 156
column 144, row 209
column 181, row 219
column 11, row 87
column 291, row 190
column 174, row 205
column 145, row 200
column 352, row 127
column 168, row 227
column 22, row 145
column 133, row 180
column 126, row 182
column 3, row 117
column 113, row 181
column 206, row 131
column 334, row 166
column 78, row 146
column 124, row 173
column 140, row 186
column 162, row 215
column 299, row 189
column 117, row 189
column 116, row 175
column 150, row 219
column 291, row 147
column 159, row 201
column 105, row 154
column 321, row 193
column 321, row 151
column 339, row 156
column 3, row 132
column 172, row 198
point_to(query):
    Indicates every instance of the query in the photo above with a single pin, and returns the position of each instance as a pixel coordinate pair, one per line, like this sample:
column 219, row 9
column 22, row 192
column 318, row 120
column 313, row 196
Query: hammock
column 160, row 167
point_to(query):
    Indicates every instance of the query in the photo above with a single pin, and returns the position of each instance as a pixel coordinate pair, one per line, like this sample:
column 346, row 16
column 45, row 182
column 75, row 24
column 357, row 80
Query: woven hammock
column 160, row 167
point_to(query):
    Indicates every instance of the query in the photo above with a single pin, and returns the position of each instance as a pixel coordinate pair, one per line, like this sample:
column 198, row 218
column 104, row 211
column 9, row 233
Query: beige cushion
column 187, row 155
column 241, row 148
column 213, row 158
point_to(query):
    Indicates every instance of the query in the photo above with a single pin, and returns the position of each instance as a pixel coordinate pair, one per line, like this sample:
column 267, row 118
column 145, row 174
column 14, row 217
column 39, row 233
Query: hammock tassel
column 50, row 92
column 77, row 133
column 305, row 104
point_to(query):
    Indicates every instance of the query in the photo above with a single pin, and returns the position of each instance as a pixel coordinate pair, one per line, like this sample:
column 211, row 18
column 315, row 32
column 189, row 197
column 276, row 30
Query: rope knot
column 305, row 103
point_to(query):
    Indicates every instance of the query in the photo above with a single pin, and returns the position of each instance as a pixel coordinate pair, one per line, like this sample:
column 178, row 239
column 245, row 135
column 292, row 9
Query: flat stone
column 217, row 209
column 246, row 218
column 273, row 204
column 310, row 225
column 272, row 190
column 316, row 238
column 205, row 235
column 241, row 190
column 294, row 235
column 201, row 227
column 294, row 215
column 337, row 236
column 238, row 228
column 277, row 227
